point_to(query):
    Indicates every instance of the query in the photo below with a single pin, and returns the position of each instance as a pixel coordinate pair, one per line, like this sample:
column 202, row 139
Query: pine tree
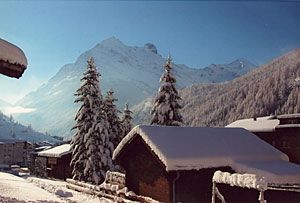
column 126, row 119
column 40, row 168
column 166, row 108
column 115, row 127
column 91, row 157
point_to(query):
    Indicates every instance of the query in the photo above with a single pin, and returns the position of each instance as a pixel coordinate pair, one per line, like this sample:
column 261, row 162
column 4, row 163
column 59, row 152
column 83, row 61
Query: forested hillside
column 269, row 89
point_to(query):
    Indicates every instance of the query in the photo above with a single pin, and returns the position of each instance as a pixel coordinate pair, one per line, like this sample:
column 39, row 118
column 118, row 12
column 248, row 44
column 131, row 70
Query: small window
column 293, row 121
column 273, row 143
column 285, row 144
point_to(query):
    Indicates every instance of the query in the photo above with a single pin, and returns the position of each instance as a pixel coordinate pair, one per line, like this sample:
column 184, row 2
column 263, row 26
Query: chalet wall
column 286, row 140
column 145, row 175
column 238, row 194
column 291, row 147
column 196, row 185
column 62, row 168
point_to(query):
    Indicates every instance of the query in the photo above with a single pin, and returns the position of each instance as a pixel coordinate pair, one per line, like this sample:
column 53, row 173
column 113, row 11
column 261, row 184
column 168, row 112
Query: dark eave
column 11, row 70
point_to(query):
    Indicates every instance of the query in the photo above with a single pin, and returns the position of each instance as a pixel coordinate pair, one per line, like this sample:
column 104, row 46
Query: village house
column 13, row 152
column 282, row 132
column 57, row 160
column 176, row 164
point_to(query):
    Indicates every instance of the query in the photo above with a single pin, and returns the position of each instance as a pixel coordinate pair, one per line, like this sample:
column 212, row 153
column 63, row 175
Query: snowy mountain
column 9, row 129
column 4, row 104
column 133, row 73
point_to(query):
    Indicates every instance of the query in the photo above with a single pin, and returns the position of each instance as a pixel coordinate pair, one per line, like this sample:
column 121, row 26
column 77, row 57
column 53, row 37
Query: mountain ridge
column 12, row 130
column 266, row 90
column 133, row 72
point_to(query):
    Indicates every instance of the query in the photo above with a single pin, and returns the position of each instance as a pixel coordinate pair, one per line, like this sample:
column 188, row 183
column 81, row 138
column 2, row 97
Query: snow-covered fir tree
column 91, row 157
column 116, row 131
column 127, row 119
column 166, row 108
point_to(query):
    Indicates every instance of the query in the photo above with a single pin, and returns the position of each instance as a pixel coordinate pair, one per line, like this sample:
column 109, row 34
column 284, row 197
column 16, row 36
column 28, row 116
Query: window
column 285, row 144
column 293, row 121
column 273, row 143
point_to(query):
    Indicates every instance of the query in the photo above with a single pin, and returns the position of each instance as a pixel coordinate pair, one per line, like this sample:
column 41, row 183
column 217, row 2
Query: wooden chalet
column 58, row 161
column 176, row 164
column 13, row 61
column 282, row 132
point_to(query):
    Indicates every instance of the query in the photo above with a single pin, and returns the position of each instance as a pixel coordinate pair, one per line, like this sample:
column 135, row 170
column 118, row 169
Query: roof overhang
column 13, row 61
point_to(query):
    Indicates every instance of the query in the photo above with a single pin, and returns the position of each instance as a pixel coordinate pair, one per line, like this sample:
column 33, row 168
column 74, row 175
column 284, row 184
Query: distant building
column 282, row 132
column 176, row 164
column 57, row 160
column 13, row 152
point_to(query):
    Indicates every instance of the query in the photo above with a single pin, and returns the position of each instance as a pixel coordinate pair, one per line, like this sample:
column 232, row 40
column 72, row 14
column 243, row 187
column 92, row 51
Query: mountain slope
column 269, row 89
column 133, row 73
column 4, row 104
column 264, row 91
column 12, row 130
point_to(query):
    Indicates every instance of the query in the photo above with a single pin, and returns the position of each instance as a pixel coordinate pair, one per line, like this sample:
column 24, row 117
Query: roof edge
column 130, row 136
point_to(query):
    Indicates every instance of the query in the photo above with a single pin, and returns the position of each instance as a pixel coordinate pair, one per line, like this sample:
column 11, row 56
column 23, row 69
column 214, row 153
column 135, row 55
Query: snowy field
column 38, row 190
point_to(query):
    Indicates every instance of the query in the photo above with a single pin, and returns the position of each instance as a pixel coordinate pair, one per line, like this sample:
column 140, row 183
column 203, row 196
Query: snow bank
column 241, row 180
column 15, row 187
column 59, row 189
column 187, row 148
column 262, row 124
column 12, row 54
column 58, row 151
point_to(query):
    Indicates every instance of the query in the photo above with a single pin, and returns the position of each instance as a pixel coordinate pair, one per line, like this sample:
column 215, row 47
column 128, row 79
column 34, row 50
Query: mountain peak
column 151, row 47
column 112, row 41
column 242, row 62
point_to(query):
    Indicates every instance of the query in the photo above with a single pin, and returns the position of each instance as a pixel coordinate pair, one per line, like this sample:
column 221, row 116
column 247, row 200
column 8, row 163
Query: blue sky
column 196, row 33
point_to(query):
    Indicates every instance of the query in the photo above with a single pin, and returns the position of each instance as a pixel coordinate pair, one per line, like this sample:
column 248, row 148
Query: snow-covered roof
column 288, row 126
column 58, row 151
column 187, row 148
column 297, row 115
column 12, row 54
column 10, row 141
column 262, row 124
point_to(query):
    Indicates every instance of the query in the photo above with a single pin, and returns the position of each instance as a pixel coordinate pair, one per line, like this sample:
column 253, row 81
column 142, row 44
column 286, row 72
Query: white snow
column 262, row 124
column 58, row 188
column 116, row 177
column 277, row 172
column 12, row 54
column 241, row 180
column 17, row 110
column 34, row 189
column 58, row 151
column 296, row 115
column 187, row 148
column 16, row 187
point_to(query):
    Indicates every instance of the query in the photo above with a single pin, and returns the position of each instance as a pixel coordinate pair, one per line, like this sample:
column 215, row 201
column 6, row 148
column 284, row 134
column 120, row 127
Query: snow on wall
column 58, row 151
column 116, row 177
column 262, row 124
column 187, row 148
column 12, row 54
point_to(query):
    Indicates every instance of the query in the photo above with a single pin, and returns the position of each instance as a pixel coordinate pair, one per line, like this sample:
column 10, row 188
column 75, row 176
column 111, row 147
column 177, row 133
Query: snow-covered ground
column 17, row 189
column 40, row 190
